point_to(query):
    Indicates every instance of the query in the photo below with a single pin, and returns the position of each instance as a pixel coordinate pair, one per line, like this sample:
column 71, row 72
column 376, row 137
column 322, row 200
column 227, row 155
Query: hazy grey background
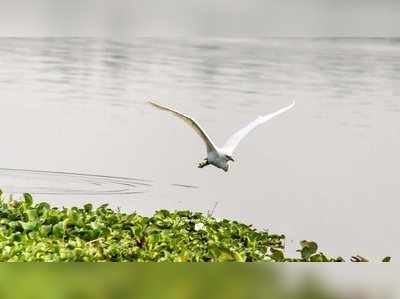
column 124, row 19
column 328, row 170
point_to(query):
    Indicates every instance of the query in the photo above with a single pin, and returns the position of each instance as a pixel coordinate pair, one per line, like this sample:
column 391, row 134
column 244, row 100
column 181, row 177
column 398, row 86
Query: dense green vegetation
column 39, row 232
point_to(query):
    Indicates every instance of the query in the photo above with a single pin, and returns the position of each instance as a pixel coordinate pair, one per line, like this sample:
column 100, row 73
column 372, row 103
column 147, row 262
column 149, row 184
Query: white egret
column 220, row 156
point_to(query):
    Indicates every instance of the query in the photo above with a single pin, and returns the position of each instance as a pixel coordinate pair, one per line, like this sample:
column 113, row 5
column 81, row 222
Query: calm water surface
column 74, row 108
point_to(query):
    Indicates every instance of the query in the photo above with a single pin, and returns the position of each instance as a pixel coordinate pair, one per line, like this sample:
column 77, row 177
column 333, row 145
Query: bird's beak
column 231, row 159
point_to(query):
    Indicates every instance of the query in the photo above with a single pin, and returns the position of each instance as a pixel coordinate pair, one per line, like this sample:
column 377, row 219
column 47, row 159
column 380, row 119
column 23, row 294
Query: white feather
column 191, row 122
column 235, row 139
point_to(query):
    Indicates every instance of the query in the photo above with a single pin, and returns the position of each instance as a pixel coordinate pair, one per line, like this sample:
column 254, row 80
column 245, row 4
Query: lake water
column 75, row 127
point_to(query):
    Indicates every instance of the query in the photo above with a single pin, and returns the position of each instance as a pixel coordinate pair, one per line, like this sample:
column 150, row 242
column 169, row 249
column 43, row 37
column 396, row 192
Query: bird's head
column 225, row 165
column 229, row 158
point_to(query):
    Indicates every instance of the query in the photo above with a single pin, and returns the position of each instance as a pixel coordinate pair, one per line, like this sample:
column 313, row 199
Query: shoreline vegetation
column 38, row 232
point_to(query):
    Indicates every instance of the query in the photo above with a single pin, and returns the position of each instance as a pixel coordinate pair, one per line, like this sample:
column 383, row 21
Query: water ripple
column 65, row 183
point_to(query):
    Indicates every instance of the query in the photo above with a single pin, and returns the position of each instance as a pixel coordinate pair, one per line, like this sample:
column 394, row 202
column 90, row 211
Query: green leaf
column 45, row 230
column 308, row 248
column 43, row 206
column 88, row 207
column 29, row 226
column 32, row 214
column 58, row 229
column 28, row 199
column 387, row 259
column 277, row 255
column 319, row 257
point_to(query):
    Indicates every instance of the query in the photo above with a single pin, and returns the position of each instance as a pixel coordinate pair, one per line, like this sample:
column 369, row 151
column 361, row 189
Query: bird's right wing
column 234, row 140
column 191, row 122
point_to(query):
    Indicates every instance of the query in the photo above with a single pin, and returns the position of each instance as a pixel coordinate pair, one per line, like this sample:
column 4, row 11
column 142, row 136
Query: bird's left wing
column 191, row 122
column 234, row 140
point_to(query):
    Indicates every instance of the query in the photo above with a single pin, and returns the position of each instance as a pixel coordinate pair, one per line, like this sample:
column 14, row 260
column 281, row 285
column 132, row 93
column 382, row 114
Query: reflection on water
column 84, row 70
column 62, row 183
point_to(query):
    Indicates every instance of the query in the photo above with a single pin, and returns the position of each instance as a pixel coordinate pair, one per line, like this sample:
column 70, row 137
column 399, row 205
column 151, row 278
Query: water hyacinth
column 39, row 232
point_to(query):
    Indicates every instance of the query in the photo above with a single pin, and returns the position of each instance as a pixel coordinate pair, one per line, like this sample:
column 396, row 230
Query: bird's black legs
column 203, row 163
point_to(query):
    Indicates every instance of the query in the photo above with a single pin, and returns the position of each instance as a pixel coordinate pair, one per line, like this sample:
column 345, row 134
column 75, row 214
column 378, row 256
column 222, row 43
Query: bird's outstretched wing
column 191, row 122
column 234, row 140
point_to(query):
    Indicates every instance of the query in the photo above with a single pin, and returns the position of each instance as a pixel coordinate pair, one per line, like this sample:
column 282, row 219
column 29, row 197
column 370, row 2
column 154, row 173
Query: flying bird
column 220, row 156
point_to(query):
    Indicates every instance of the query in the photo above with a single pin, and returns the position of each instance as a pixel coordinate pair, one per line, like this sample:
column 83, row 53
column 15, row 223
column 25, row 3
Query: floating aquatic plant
column 39, row 232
